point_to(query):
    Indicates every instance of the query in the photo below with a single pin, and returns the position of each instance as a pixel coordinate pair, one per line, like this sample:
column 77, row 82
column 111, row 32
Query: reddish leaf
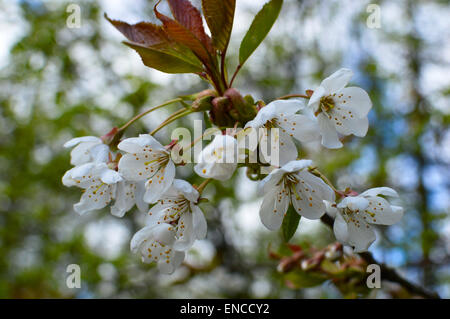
column 162, row 61
column 190, row 18
column 180, row 34
column 219, row 15
column 145, row 33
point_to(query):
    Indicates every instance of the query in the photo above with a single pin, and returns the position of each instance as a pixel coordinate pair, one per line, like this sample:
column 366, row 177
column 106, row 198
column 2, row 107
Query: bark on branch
column 388, row 273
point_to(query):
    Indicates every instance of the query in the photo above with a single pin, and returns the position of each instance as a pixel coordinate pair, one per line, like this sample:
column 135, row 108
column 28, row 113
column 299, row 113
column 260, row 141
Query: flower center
column 325, row 105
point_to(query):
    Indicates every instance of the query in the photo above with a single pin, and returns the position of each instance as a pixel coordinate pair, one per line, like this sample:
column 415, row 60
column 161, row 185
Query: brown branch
column 389, row 273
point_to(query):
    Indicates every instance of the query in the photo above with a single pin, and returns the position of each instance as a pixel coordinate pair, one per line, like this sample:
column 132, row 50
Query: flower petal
column 200, row 226
column 380, row 212
column 355, row 100
column 300, row 127
column 185, row 233
column 328, row 131
column 138, row 167
column 337, row 81
column 273, row 208
column 77, row 140
column 159, row 183
column 387, row 191
column 143, row 143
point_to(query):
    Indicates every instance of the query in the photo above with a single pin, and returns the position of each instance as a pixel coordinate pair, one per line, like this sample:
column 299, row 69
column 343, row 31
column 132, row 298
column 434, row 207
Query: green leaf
column 162, row 61
column 259, row 29
column 290, row 223
column 219, row 15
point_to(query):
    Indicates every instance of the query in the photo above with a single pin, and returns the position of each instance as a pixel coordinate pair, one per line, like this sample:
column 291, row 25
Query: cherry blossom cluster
column 141, row 171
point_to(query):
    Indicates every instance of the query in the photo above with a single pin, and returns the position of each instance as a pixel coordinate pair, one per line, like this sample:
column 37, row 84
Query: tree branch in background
column 388, row 273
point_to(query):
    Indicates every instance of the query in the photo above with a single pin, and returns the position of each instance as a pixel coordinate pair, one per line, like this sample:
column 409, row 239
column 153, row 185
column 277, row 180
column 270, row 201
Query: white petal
column 311, row 191
column 328, row 131
column 315, row 98
column 82, row 153
column 100, row 153
column 109, row 176
column 78, row 176
column 160, row 183
column 330, row 209
column 139, row 197
column 141, row 144
column 95, row 197
column 360, row 236
column 295, row 166
column 78, row 140
column 347, row 124
column 300, row 127
column 185, row 232
column 380, row 212
column 355, row 100
column 337, row 81
column 354, row 203
column 270, row 181
column 340, row 229
column 138, row 238
column 387, row 191
column 125, row 198
column 186, row 189
column 138, row 167
column 175, row 261
column 277, row 148
column 273, row 208
column 200, row 226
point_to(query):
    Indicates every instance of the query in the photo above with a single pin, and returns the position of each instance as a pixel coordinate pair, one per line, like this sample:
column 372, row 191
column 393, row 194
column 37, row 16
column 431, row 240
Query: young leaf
column 144, row 33
column 290, row 223
column 190, row 18
column 153, row 36
column 182, row 35
column 162, row 61
column 259, row 29
column 219, row 15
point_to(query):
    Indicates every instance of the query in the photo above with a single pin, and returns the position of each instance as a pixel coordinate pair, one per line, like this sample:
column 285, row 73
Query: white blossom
column 281, row 114
column 155, row 244
column 219, row 159
column 178, row 207
column 87, row 149
column 293, row 183
column 147, row 160
column 99, row 183
column 127, row 195
column 355, row 214
column 340, row 109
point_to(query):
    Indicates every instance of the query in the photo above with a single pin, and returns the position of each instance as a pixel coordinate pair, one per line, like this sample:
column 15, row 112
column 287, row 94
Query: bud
column 203, row 104
column 244, row 106
column 220, row 113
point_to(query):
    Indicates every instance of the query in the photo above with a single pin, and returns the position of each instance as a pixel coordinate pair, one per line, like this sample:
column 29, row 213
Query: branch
column 389, row 273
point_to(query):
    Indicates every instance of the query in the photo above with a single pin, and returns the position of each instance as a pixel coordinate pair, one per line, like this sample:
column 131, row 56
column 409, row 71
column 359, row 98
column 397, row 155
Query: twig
column 389, row 273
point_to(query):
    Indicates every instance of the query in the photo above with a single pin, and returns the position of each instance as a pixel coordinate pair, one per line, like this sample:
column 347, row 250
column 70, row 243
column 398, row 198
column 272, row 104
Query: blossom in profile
column 356, row 214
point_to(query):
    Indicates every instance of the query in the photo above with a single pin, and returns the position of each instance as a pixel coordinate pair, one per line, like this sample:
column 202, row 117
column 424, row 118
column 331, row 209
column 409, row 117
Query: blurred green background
column 58, row 82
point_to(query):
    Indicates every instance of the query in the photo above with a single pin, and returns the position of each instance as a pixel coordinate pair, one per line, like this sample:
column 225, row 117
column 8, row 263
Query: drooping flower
column 155, row 244
column 87, row 149
column 99, row 183
column 178, row 207
column 281, row 114
column 219, row 159
column 355, row 214
column 340, row 109
column 147, row 160
column 293, row 183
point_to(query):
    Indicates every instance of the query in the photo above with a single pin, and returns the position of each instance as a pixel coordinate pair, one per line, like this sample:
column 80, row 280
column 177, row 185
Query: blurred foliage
column 60, row 83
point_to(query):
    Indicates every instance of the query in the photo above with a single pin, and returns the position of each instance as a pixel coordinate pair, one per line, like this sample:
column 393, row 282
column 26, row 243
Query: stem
column 285, row 97
column 137, row 117
column 389, row 273
column 170, row 119
column 222, row 68
column 326, row 180
column 234, row 75
column 202, row 186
